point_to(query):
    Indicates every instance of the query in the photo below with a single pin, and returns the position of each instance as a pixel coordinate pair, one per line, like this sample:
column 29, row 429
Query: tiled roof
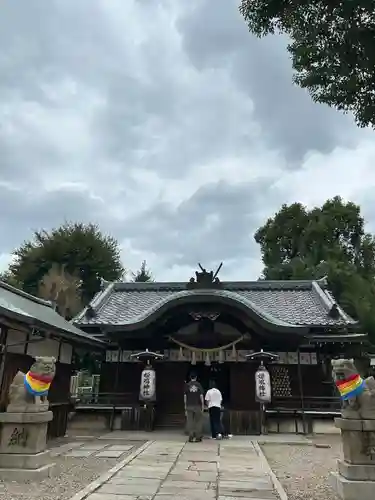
column 20, row 306
column 281, row 303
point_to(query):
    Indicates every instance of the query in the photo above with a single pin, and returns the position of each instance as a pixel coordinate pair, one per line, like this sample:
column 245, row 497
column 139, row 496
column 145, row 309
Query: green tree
column 331, row 45
column 80, row 249
column 7, row 277
column 330, row 240
column 143, row 274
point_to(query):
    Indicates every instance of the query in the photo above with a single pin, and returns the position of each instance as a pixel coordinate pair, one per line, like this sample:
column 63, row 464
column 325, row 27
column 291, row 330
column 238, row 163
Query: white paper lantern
column 263, row 385
column 147, row 390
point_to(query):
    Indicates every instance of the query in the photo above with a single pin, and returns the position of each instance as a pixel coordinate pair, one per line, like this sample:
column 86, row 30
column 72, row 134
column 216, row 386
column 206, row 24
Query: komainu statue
column 357, row 395
column 31, row 388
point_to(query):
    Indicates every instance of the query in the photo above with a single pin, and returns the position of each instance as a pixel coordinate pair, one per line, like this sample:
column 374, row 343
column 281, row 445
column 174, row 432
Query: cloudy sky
column 167, row 123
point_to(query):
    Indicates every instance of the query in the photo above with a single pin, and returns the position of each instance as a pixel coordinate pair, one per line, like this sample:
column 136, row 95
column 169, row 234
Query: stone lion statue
column 31, row 388
column 359, row 404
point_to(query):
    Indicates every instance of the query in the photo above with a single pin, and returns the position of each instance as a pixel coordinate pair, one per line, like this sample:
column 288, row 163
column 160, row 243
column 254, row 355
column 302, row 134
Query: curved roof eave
column 77, row 336
column 243, row 304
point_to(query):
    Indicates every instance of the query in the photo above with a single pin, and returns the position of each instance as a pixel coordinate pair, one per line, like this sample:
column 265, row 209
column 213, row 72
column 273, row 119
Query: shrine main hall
column 213, row 327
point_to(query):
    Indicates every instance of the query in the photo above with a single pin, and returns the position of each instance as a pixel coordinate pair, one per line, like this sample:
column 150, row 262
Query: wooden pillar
column 117, row 373
column 3, row 353
column 300, row 383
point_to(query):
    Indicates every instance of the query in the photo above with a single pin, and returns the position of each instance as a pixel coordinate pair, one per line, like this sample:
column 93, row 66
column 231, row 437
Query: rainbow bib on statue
column 350, row 387
column 37, row 385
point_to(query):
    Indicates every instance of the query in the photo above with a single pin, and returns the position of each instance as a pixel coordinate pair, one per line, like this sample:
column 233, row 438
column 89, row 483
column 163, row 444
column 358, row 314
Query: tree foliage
column 8, row 277
column 332, row 48
column 330, row 241
column 143, row 274
column 83, row 253
column 63, row 289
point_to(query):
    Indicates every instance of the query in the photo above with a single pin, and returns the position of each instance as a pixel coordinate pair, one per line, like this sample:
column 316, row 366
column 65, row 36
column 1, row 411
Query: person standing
column 214, row 400
column 194, row 407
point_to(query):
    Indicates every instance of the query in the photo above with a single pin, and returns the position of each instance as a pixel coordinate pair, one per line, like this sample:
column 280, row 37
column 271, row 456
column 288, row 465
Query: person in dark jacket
column 194, row 407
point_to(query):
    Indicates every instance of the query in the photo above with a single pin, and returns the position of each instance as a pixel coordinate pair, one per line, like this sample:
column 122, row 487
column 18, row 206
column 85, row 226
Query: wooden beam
column 27, row 343
column 59, row 353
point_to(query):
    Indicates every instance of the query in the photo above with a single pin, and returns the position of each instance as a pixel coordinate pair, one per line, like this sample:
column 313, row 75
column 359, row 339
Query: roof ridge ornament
column 323, row 281
column 205, row 279
column 90, row 312
column 334, row 312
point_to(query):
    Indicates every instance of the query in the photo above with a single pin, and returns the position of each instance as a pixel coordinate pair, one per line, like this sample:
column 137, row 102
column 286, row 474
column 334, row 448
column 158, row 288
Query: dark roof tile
column 26, row 308
column 294, row 303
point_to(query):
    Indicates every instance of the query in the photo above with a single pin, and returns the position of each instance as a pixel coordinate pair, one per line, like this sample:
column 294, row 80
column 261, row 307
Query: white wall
column 46, row 347
column 66, row 353
column 13, row 337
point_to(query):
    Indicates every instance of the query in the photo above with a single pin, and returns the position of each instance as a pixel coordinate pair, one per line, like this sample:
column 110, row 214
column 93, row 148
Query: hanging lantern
column 262, row 385
column 147, row 391
column 221, row 356
column 193, row 358
column 208, row 360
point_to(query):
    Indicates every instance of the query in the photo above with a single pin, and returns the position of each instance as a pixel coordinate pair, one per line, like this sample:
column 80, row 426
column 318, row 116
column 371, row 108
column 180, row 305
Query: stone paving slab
column 183, row 495
column 259, row 483
column 130, row 489
column 197, row 466
column 240, row 476
column 189, row 493
column 109, row 454
column 120, row 447
column 126, row 481
column 140, row 473
column 185, row 485
column 144, row 475
column 152, row 463
column 93, row 446
column 184, row 471
column 106, row 496
column 245, row 456
column 220, row 497
column 193, row 475
column 156, row 460
column 195, row 456
column 254, row 495
column 243, row 469
column 79, row 453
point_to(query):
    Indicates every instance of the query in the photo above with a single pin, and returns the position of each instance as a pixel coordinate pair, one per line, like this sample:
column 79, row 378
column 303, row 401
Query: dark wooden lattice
column 280, row 381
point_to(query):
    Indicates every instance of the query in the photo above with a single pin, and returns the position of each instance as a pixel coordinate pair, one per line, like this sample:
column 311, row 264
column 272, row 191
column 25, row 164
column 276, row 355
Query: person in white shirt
column 214, row 400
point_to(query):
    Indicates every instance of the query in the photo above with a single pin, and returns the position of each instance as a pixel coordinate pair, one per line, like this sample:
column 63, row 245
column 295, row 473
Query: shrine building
column 30, row 327
column 213, row 327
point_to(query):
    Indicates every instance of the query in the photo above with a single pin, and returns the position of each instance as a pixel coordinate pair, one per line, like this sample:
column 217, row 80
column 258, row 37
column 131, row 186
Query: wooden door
column 170, row 385
column 242, row 386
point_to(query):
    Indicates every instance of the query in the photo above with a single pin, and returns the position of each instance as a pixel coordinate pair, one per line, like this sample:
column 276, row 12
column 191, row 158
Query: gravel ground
column 303, row 470
column 71, row 476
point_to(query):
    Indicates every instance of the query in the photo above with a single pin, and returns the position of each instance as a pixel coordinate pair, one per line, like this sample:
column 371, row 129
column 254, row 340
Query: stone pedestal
column 23, row 442
column 355, row 478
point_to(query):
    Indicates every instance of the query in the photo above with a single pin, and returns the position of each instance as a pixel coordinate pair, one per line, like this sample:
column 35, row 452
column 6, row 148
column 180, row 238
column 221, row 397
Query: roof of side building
column 38, row 313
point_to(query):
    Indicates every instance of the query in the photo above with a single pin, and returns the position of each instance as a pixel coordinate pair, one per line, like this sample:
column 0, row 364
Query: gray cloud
column 23, row 212
column 216, row 36
column 164, row 121
column 214, row 224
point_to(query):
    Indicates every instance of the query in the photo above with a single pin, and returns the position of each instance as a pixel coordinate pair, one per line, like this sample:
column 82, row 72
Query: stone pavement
column 224, row 470
column 95, row 449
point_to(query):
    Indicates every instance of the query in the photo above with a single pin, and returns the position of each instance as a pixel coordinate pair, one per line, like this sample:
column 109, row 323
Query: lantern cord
column 215, row 349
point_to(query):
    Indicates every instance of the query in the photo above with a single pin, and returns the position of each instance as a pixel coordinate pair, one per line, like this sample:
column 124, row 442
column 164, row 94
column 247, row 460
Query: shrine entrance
column 236, row 381
column 220, row 373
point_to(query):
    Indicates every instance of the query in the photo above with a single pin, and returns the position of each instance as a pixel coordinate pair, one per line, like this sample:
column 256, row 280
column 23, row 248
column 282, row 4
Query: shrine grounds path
column 162, row 465
column 168, row 469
